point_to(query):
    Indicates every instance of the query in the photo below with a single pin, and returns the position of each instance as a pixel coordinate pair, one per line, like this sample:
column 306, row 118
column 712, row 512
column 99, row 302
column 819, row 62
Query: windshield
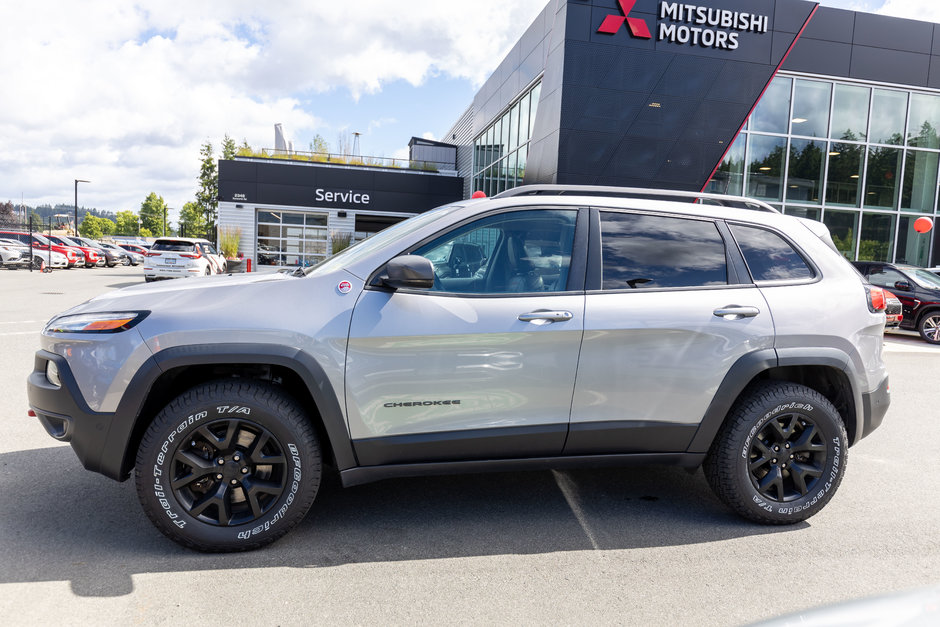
column 381, row 239
column 66, row 241
column 42, row 239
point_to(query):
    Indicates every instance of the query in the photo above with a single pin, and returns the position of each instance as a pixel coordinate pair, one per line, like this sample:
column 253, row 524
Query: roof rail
column 739, row 202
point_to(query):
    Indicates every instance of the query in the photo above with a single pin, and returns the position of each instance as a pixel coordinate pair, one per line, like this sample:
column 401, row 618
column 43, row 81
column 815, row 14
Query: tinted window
column 641, row 251
column 173, row 246
column 508, row 253
column 769, row 257
column 885, row 277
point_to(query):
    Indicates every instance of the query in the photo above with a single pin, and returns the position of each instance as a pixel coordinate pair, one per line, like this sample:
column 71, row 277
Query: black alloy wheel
column 787, row 458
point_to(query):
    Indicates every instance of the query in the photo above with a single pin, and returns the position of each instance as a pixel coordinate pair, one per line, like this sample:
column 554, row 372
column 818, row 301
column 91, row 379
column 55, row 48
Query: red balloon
column 478, row 194
column 923, row 225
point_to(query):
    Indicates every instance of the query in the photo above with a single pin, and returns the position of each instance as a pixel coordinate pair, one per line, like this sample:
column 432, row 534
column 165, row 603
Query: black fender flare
column 117, row 460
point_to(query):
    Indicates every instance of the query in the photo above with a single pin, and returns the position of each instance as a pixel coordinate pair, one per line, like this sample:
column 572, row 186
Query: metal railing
column 350, row 160
column 739, row 202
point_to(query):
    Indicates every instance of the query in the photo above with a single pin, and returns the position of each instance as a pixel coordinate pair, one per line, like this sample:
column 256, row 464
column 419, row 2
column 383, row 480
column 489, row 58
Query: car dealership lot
column 628, row 546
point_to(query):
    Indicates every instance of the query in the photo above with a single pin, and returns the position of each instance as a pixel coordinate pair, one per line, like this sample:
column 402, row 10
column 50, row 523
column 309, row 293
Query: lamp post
column 77, row 181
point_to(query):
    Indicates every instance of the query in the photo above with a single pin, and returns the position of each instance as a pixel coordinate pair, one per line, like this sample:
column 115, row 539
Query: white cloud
column 924, row 10
column 123, row 94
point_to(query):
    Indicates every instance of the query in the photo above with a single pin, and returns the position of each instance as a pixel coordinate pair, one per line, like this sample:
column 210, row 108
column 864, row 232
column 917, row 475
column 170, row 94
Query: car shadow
column 61, row 522
column 117, row 286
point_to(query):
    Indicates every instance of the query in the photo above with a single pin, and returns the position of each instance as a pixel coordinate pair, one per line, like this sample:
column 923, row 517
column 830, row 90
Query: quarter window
column 769, row 257
column 650, row 252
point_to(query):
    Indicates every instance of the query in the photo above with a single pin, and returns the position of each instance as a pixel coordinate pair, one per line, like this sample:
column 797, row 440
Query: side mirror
column 902, row 286
column 409, row 271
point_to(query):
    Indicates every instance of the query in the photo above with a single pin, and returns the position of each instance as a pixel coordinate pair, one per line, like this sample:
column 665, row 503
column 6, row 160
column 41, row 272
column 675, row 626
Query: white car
column 58, row 260
column 175, row 257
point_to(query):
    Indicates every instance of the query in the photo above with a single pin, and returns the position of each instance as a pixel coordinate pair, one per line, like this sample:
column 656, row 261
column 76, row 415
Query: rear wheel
column 228, row 466
column 780, row 456
column 929, row 327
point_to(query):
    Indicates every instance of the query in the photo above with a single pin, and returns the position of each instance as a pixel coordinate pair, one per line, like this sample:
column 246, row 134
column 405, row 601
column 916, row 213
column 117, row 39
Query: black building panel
column 890, row 66
column 830, row 24
column 933, row 80
column 786, row 19
column 878, row 31
column 283, row 172
column 820, row 57
column 239, row 170
column 688, row 77
column 739, row 82
column 936, row 40
column 579, row 23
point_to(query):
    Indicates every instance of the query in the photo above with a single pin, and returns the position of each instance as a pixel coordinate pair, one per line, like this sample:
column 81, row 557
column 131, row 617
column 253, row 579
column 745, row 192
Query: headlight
column 110, row 322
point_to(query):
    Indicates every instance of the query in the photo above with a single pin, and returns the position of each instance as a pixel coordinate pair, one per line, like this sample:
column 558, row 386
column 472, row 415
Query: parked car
column 93, row 256
column 227, row 398
column 175, row 257
column 13, row 256
column 893, row 310
column 39, row 257
column 918, row 289
column 39, row 243
column 109, row 258
column 135, row 248
column 131, row 258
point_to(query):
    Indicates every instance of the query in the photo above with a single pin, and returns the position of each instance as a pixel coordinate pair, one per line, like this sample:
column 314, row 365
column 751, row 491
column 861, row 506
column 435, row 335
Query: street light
column 77, row 181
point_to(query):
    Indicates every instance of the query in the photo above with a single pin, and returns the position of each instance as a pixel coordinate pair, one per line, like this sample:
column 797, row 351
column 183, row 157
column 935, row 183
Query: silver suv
column 545, row 327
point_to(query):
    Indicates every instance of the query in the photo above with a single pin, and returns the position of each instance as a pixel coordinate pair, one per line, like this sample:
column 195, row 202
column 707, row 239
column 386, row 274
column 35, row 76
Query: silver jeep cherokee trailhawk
column 545, row 327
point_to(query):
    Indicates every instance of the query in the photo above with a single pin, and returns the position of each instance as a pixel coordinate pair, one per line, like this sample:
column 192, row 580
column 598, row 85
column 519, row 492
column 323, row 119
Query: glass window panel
column 765, row 167
column 536, row 93
column 769, row 257
column 881, row 180
column 490, row 145
column 850, row 113
column 511, row 171
column 268, row 230
column 649, row 252
column 514, row 127
column 524, row 119
column 877, row 242
column 729, row 179
column 811, row 108
column 845, row 174
column 269, row 216
column 920, row 181
column 316, row 219
column 520, row 164
column 804, row 182
column 913, row 247
column 772, row 114
column 888, row 113
column 803, row 212
column 504, row 142
column 290, row 217
column 843, row 226
column 924, row 129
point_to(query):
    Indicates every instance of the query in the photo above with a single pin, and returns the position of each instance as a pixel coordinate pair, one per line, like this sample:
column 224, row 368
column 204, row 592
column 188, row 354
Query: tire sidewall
column 171, row 429
column 834, row 437
column 922, row 323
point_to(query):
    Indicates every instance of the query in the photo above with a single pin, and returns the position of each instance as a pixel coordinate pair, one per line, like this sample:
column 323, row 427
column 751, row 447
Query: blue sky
column 123, row 94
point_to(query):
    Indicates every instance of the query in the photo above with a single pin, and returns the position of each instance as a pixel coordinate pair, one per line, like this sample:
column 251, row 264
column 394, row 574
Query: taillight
column 148, row 254
column 876, row 298
column 188, row 256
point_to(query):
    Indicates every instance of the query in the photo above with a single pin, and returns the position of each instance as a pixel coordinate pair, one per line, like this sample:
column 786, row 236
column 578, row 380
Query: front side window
column 654, row 252
column 507, row 253
column 769, row 257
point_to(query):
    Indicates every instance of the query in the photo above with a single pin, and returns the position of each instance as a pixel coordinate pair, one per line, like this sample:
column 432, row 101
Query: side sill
column 368, row 474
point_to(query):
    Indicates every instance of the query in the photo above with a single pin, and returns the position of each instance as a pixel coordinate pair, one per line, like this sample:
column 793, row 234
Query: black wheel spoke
column 219, row 499
column 806, row 442
column 772, row 480
column 799, row 473
column 256, row 451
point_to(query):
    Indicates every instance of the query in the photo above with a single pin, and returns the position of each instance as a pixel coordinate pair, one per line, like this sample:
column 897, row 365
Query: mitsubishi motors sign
column 690, row 24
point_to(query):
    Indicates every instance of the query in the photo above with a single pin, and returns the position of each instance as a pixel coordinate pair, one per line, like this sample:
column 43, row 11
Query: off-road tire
column 230, row 465
column 774, row 429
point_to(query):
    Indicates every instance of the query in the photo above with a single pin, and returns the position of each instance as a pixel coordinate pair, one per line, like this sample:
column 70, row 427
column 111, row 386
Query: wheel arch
column 178, row 369
column 826, row 370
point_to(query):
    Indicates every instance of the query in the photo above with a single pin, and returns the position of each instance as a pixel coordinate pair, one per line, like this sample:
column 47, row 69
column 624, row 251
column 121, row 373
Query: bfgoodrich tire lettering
column 780, row 455
column 228, row 466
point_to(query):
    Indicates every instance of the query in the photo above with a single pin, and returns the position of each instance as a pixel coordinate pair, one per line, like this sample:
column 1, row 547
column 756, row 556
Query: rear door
column 482, row 366
column 669, row 309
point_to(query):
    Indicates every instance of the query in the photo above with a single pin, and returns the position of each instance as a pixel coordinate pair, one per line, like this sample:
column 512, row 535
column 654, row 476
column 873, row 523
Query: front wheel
column 230, row 465
column 929, row 327
column 780, row 455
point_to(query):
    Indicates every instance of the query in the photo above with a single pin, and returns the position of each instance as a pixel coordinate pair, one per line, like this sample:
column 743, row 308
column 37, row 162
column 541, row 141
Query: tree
column 127, row 223
column 207, row 198
column 107, row 226
column 7, row 214
column 228, row 148
column 318, row 144
column 145, row 232
column 153, row 214
column 192, row 221
column 91, row 227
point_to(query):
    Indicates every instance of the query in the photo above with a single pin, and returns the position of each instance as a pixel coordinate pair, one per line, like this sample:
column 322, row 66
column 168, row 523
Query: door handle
column 736, row 312
column 544, row 317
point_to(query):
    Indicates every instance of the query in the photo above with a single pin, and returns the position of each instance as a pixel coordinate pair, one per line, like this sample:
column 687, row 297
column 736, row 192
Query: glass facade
column 500, row 151
column 863, row 159
column 291, row 238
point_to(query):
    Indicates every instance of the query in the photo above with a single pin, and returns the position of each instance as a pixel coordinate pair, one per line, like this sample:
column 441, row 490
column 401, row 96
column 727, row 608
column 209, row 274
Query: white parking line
column 570, row 492
column 19, row 333
column 21, row 322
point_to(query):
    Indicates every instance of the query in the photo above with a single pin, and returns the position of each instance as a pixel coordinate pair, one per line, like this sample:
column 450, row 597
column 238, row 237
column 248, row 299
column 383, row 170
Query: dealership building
column 824, row 113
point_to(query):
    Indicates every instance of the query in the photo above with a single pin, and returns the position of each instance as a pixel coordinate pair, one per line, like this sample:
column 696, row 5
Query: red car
column 40, row 242
column 93, row 256
column 135, row 248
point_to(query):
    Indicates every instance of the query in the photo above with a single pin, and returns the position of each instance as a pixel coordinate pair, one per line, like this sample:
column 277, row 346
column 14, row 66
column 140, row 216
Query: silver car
column 555, row 327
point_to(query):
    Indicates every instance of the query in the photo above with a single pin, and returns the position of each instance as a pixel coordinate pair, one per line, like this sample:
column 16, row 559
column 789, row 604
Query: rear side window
column 173, row 246
column 769, row 257
column 650, row 252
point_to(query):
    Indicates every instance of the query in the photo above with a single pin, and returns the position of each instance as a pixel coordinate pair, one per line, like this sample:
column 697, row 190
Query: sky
column 123, row 94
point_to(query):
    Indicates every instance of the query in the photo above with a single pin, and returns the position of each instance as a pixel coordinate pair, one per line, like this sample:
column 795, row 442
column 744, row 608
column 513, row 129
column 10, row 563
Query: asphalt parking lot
column 647, row 546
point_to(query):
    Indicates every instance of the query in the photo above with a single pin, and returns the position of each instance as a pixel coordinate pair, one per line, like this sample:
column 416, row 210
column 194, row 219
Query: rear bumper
column 874, row 407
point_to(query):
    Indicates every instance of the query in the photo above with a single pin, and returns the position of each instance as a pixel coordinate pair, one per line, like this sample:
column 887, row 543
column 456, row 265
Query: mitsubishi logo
column 612, row 23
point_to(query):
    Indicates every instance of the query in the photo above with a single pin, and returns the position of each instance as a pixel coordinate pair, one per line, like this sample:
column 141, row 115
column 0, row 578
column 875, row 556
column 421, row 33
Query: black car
column 918, row 289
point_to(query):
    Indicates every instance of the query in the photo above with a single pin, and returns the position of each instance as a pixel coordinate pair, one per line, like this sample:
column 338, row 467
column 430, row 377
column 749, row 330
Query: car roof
column 191, row 240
